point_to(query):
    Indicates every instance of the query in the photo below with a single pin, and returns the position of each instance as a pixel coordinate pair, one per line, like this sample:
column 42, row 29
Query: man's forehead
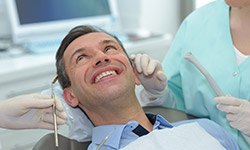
column 95, row 37
column 88, row 40
column 92, row 38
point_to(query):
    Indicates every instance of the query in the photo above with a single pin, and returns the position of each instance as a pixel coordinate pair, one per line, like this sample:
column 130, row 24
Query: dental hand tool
column 54, row 112
column 105, row 140
column 209, row 78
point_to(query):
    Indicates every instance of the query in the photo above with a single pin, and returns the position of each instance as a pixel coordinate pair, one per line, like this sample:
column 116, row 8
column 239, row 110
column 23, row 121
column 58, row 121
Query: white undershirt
column 240, row 58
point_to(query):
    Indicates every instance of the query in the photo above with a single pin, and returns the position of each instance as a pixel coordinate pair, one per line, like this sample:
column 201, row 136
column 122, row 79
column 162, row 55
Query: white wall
column 199, row 3
column 160, row 15
column 155, row 15
column 4, row 25
column 129, row 11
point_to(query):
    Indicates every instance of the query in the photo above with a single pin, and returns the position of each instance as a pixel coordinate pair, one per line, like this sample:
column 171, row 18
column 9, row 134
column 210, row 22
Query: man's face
column 98, row 69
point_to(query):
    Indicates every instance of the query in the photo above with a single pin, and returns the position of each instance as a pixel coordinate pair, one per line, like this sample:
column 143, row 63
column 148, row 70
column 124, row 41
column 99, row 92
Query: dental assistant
column 218, row 35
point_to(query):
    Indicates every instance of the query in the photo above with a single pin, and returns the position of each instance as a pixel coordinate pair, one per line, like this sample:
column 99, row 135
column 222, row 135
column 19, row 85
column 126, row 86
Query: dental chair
column 47, row 142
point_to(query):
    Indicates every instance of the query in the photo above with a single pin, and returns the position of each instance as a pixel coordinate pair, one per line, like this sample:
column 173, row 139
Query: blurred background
column 31, row 31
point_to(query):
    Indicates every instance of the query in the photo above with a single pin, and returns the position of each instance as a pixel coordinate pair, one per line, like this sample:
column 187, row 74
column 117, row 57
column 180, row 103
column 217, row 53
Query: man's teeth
column 104, row 74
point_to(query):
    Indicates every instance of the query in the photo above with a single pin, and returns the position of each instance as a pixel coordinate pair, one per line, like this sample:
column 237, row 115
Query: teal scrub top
column 206, row 34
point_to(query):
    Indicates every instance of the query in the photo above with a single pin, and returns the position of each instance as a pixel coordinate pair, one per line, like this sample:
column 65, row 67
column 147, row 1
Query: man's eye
column 79, row 58
column 109, row 48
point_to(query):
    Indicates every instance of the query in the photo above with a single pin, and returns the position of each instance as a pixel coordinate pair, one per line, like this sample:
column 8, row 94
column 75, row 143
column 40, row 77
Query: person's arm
column 30, row 111
column 172, row 95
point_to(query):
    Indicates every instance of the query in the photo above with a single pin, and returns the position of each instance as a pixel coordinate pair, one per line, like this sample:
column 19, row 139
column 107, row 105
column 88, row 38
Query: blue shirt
column 206, row 34
column 121, row 135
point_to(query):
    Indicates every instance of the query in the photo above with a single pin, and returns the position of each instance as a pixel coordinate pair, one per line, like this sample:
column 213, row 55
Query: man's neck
column 120, row 114
column 240, row 31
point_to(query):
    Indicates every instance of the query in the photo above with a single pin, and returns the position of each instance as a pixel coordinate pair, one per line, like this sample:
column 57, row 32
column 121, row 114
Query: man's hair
column 70, row 37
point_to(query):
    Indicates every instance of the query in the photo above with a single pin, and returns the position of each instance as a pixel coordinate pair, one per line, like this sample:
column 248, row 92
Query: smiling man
column 99, row 78
column 96, row 75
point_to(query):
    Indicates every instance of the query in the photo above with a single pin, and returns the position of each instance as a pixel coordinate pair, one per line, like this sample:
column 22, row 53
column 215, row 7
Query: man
column 96, row 75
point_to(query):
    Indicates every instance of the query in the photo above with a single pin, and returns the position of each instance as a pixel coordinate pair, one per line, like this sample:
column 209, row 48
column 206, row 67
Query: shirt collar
column 157, row 121
column 115, row 131
column 161, row 123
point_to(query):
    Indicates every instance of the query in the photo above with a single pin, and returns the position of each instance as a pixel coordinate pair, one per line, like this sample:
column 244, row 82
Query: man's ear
column 70, row 97
column 137, row 80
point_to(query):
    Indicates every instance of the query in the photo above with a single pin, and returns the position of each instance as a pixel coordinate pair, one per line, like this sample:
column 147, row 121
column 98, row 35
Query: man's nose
column 101, row 59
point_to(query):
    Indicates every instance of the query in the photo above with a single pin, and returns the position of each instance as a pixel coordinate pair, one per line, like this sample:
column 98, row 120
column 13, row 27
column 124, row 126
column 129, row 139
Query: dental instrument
column 54, row 112
column 188, row 56
column 104, row 140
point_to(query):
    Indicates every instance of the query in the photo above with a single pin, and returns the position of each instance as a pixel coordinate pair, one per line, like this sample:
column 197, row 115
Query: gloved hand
column 238, row 112
column 30, row 111
column 151, row 75
column 80, row 127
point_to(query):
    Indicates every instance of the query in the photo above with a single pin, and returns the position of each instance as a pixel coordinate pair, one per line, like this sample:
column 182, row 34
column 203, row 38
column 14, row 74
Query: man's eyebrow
column 106, row 41
column 76, row 52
